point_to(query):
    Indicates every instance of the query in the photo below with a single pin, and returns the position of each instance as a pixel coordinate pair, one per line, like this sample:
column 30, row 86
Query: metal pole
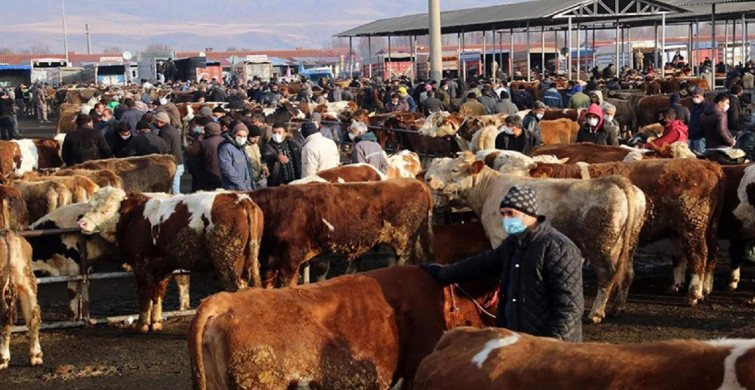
column 744, row 39
column 568, row 41
column 622, row 51
column 629, row 56
column 556, row 50
column 689, row 46
column 697, row 44
column 484, row 56
column 390, row 61
column 655, row 48
column 412, row 54
column 89, row 39
column 458, row 55
column 593, row 47
column 618, row 46
column 725, row 60
column 579, row 53
column 713, row 43
column 436, row 59
column 542, row 50
column 351, row 59
column 65, row 29
column 511, row 54
column 463, row 60
column 733, row 41
column 492, row 68
column 369, row 48
column 529, row 65
column 663, row 44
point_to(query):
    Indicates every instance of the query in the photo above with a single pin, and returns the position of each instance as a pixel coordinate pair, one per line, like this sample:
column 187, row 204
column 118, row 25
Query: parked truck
column 253, row 66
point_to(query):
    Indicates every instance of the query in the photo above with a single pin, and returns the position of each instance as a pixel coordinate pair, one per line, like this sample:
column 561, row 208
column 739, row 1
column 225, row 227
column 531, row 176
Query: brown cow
column 25, row 155
column 42, row 197
column 13, row 213
column 583, row 152
column 684, row 202
column 10, row 158
column 82, row 188
column 494, row 358
column 648, row 107
column 344, row 174
column 18, row 282
column 364, row 331
column 101, row 177
column 199, row 232
column 458, row 241
column 305, row 221
column 559, row 131
column 153, row 173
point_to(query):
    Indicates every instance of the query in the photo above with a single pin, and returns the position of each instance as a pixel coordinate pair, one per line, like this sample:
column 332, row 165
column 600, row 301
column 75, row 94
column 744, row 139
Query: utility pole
column 436, row 61
column 65, row 31
column 89, row 39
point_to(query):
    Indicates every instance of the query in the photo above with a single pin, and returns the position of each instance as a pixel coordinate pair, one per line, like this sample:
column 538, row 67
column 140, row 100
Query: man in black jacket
column 85, row 143
column 147, row 142
column 514, row 137
column 173, row 138
column 540, row 269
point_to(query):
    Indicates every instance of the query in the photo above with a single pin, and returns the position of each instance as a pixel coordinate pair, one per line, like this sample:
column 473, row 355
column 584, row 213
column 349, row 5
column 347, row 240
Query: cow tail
column 631, row 228
column 427, row 238
column 196, row 331
column 8, row 294
column 253, row 246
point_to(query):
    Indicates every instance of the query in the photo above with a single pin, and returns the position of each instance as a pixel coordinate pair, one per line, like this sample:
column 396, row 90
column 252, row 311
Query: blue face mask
column 513, row 226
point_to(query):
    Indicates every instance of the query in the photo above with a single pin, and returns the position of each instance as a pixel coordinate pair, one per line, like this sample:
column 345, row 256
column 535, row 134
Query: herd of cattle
column 381, row 328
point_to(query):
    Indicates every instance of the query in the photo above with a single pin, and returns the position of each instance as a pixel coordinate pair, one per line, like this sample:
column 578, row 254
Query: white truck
column 253, row 66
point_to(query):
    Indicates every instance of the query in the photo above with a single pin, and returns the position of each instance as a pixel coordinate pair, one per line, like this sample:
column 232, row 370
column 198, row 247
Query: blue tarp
column 15, row 67
column 278, row 61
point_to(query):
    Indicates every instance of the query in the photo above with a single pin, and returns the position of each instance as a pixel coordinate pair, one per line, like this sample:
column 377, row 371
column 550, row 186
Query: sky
column 196, row 25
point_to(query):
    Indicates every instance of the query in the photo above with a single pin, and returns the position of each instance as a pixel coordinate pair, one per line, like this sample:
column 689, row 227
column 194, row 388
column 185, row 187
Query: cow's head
column 510, row 162
column 104, row 213
column 404, row 164
column 452, row 176
column 440, row 124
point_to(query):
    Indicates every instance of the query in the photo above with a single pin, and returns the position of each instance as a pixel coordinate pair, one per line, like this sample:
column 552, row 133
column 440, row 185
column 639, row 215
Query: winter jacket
column 532, row 124
column 746, row 142
column 400, row 106
column 282, row 173
column 505, row 106
column 255, row 159
column 675, row 131
column 682, row 113
column 173, row 138
column 524, row 145
column 578, row 100
column 431, row 105
column 149, row 143
column 695, row 133
column 522, row 99
column 472, row 107
column 235, row 173
column 734, row 114
column 552, row 98
column 600, row 134
column 209, row 172
column 488, row 102
column 715, row 127
column 172, row 111
column 84, row 144
column 318, row 154
column 132, row 117
column 409, row 101
column 367, row 150
column 541, row 280
column 120, row 147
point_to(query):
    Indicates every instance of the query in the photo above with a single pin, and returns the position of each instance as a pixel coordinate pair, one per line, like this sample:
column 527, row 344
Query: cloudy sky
column 194, row 24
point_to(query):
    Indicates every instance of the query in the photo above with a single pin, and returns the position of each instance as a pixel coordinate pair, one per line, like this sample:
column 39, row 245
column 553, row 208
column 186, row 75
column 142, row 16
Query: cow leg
column 353, row 265
column 6, row 321
column 710, row 265
column 158, row 292
column 696, row 252
column 145, row 287
column 27, row 294
column 183, row 292
column 74, row 299
column 679, row 272
column 605, row 284
column 320, row 270
column 622, row 292
column 737, row 254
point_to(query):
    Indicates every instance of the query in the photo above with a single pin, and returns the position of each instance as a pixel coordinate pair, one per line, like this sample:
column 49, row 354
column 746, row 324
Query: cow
column 42, row 197
column 18, row 282
column 27, row 155
column 199, row 232
column 495, row 358
column 559, row 131
column 602, row 216
column 101, row 177
column 344, row 174
column 10, row 159
column 82, row 188
column 514, row 163
column 302, row 222
column 738, row 215
column 153, row 173
column 648, row 107
column 583, row 152
column 484, row 139
column 684, row 204
column 13, row 213
column 626, row 112
column 442, row 124
column 333, row 108
column 403, row 164
column 455, row 242
column 365, row 331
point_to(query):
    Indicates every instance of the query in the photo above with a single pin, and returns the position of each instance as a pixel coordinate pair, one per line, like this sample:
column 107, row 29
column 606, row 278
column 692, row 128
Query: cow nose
column 83, row 225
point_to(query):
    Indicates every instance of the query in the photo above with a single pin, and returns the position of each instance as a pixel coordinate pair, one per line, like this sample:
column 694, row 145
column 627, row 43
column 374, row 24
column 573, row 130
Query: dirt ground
column 109, row 357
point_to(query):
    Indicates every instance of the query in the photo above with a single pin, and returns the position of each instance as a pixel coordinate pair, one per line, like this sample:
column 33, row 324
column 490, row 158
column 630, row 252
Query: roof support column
column 628, row 50
column 458, row 54
column 557, row 51
column 369, row 49
column 618, row 46
column 622, row 51
column 351, row 59
column 511, row 54
column 463, row 60
column 568, row 55
column 579, row 43
column 663, row 44
column 593, row 47
column 733, row 41
column 493, row 69
column 744, row 39
column 484, row 56
column 390, row 62
column 436, row 48
column 655, row 49
column 698, row 60
column 713, row 42
column 542, row 50
column 725, row 60
column 529, row 57
column 413, row 54
column 689, row 47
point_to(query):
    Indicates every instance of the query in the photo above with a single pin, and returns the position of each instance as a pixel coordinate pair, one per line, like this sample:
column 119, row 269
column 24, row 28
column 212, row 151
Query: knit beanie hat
column 238, row 127
column 212, row 128
column 521, row 198
column 308, row 128
column 205, row 111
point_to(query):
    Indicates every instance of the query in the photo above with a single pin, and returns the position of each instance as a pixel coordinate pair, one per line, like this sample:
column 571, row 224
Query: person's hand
column 433, row 269
column 265, row 172
column 283, row 159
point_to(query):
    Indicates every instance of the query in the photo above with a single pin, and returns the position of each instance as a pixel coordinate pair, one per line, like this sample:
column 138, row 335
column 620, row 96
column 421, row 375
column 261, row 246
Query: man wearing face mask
column 234, row 166
column 253, row 153
column 120, row 140
column 696, row 135
column 673, row 129
column 366, row 148
column 531, row 121
column 540, row 291
column 282, row 156
column 146, row 142
column 714, row 125
column 173, row 138
column 593, row 131
column 317, row 153
column 514, row 137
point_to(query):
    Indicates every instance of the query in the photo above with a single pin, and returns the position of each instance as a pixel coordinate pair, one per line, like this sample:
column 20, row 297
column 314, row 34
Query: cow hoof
column 733, row 286
column 672, row 289
column 751, row 301
column 143, row 328
column 4, row 364
column 36, row 360
column 157, row 327
column 692, row 302
column 595, row 319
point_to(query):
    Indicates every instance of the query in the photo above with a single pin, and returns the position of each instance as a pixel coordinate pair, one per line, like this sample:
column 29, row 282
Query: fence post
column 84, row 283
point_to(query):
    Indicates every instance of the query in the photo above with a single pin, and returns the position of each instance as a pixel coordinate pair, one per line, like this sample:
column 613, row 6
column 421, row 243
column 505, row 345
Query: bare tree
column 5, row 50
column 37, row 48
column 158, row 47
column 112, row 50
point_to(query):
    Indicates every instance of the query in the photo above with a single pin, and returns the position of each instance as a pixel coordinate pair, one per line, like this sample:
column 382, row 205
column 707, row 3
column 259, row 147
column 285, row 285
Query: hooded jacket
column 543, row 269
column 682, row 113
column 715, row 127
column 235, row 173
column 367, row 150
column 552, row 98
column 675, row 131
column 599, row 135
column 318, row 154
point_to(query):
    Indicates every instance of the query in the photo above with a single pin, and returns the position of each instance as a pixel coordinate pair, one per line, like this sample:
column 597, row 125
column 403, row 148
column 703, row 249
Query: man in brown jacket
column 472, row 106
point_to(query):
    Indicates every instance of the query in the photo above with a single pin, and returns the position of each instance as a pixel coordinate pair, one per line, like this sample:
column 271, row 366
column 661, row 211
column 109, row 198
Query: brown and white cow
column 101, row 177
column 153, row 173
column 18, row 282
column 495, row 358
column 206, row 231
column 344, row 174
column 13, row 212
column 302, row 222
column 602, row 216
column 583, row 152
column 364, row 331
column 26, row 155
column 404, row 164
column 42, row 197
column 82, row 188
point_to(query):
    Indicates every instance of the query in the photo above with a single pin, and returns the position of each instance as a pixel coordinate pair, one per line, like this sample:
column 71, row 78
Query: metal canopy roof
column 516, row 15
column 725, row 10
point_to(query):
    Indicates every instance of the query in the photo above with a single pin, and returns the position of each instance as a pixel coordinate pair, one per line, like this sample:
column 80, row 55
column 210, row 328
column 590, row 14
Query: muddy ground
column 109, row 357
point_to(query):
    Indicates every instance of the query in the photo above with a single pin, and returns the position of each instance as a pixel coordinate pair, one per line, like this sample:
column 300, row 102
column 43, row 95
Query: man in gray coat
column 173, row 138
column 505, row 105
column 366, row 148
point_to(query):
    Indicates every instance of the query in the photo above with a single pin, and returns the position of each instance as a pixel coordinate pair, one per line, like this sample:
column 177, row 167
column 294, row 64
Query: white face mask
column 726, row 107
column 125, row 137
column 539, row 116
column 197, row 129
column 697, row 100
column 277, row 138
column 241, row 141
column 592, row 122
column 352, row 136
column 608, row 118
column 507, row 130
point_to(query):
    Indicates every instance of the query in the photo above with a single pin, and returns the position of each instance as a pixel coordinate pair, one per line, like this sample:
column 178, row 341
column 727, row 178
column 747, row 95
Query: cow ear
column 477, row 166
column 563, row 160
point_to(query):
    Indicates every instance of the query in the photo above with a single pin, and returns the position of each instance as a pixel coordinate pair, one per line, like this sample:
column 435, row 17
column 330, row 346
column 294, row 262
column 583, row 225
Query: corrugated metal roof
column 689, row 3
column 724, row 10
column 509, row 15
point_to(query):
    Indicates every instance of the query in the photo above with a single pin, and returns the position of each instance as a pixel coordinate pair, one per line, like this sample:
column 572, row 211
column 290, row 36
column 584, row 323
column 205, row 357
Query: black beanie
column 308, row 128
column 521, row 198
